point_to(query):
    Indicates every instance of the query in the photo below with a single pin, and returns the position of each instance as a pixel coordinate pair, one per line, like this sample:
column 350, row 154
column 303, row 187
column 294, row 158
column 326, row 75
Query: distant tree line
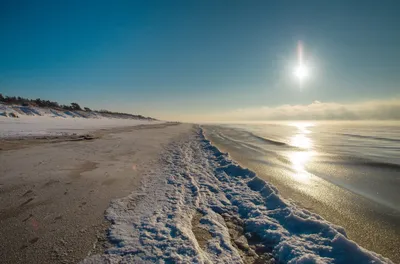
column 13, row 100
column 122, row 114
column 38, row 102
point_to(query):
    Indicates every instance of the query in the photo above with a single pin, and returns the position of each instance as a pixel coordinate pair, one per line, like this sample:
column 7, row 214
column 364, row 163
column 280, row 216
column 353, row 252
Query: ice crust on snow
column 155, row 225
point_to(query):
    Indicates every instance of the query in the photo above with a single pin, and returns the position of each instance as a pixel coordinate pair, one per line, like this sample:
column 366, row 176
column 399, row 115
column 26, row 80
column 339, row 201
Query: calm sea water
column 349, row 172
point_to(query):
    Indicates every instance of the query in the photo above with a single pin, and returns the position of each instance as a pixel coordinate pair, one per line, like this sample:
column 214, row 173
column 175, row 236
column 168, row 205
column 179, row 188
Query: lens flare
column 301, row 71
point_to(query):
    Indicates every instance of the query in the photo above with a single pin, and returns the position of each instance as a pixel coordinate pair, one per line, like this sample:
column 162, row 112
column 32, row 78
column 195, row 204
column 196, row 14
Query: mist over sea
column 348, row 172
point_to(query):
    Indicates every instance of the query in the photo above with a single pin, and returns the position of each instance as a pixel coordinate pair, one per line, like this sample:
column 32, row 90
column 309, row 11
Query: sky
column 205, row 60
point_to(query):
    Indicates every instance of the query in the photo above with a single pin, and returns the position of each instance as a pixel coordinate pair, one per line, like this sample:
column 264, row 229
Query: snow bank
column 242, row 218
column 18, row 111
column 35, row 121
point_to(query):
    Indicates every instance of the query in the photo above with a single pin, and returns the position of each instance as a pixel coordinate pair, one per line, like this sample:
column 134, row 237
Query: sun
column 301, row 72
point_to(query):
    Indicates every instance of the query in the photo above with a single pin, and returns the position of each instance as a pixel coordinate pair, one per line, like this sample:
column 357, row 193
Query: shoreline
column 371, row 225
column 202, row 207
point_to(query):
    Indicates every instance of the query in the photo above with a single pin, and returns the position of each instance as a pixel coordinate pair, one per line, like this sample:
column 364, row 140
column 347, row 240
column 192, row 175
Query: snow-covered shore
column 202, row 207
column 19, row 121
column 26, row 126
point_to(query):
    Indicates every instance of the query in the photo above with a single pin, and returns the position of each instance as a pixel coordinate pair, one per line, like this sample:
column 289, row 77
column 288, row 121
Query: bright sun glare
column 301, row 72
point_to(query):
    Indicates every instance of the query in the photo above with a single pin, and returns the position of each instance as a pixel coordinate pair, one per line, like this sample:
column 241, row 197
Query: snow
column 35, row 121
column 245, row 217
column 44, row 126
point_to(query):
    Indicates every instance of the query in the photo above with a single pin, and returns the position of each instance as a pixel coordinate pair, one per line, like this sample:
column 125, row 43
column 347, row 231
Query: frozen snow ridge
column 202, row 207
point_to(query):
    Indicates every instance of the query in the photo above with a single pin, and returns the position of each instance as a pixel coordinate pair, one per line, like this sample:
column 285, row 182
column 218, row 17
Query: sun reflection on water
column 300, row 158
column 301, row 141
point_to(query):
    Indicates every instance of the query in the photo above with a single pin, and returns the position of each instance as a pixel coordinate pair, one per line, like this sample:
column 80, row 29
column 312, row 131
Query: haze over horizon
column 208, row 60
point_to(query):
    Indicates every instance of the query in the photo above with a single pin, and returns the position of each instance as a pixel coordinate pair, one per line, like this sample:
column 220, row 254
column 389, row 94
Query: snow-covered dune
column 202, row 207
column 20, row 121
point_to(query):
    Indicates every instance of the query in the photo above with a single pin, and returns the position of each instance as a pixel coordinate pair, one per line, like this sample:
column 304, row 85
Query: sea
column 346, row 171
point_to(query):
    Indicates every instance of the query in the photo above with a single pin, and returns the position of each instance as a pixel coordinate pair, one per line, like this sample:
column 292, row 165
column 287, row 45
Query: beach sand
column 54, row 190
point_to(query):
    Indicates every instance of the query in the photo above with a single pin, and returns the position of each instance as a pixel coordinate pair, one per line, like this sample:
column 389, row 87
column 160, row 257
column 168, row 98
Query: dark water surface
column 348, row 172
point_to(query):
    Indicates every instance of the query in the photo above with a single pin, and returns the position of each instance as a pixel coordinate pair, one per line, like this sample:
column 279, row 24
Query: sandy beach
column 145, row 193
column 54, row 190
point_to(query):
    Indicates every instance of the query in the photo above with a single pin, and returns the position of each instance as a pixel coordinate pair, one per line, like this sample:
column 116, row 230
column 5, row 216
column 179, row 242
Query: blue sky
column 193, row 59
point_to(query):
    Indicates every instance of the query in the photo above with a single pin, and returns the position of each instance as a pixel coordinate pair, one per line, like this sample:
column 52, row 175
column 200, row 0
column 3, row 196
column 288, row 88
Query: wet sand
column 54, row 190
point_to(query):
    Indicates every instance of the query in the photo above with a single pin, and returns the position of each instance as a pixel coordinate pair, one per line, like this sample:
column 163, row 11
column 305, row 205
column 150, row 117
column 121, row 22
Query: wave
column 352, row 161
column 244, row 144
column 271, row 141
column 370, row 137
column 247, row 144
column 378, row 164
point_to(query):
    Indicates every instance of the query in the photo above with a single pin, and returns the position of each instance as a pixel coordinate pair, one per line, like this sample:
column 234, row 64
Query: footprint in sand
column 27, row 192
column 27, row 201
column 34, row 240
column 26, row 219
column 108, row 181
column 50, row 182
column 23, row 247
